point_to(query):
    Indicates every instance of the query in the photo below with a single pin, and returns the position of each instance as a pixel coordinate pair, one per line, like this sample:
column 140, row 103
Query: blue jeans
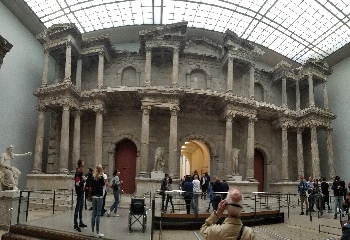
column 338, row 201
column 79, row 208
column 96, row 213
column 116, row 201
column 195, row 203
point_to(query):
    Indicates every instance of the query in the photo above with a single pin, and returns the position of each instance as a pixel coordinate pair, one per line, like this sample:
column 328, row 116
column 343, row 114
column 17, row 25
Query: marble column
column 311, row 91
column 38, row 155
column 148, row 67
column 98, row 136
column 325, row 96
column 297, row 95
column 251, row 82
column 228, row 145
column 229, row 75
column 174, row 168
column 316, row 171
column 144, row 155
column 78, row 74
column 76, row 136
column 64, row 144
column 300, row 154
column 284, row 169
column 330, row 153
column 68, row 66
column 250, row 149
column 101, row 61
column 45, row 78
column 284, row 92
column 175, row 79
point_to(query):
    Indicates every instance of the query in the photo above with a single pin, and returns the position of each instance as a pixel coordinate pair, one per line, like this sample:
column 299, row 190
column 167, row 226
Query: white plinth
column 50, row 181
column 157, row 175
column 234, row 178
column 9, row 208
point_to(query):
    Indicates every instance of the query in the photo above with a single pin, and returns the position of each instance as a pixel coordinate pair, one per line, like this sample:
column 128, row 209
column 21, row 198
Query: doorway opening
column 195, row 155
column 125, row 161
column 259, row 169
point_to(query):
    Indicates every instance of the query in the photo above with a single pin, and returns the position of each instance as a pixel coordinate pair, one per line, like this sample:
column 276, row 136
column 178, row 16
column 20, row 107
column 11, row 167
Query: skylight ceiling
column 298, row 29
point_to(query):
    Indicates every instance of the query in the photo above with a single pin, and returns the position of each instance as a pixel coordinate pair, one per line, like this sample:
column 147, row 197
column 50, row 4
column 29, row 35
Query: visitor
column 232, row 227
column 196, row 191
column 79, row 180
column 115, row 185
column 302, row 189
column 188, row 194
column 98, row 184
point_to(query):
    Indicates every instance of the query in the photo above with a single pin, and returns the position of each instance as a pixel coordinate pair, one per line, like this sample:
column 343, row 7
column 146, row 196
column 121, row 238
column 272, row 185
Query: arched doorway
column 259, row 169
column 125, row 161
column 195, row 155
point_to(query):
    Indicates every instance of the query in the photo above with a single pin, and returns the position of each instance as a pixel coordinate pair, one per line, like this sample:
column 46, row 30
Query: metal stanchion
column 152, row 223
column 54, row 201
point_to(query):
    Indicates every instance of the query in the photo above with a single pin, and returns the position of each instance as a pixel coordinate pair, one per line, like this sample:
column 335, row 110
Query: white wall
column 20, row 76
column 339, row 100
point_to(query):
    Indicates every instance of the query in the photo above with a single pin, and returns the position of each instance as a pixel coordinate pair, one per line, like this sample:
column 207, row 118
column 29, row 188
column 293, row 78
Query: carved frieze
column 5, row 47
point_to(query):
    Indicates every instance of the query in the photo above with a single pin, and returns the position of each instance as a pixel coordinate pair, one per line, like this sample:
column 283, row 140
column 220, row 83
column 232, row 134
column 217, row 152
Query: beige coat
column 228, row 230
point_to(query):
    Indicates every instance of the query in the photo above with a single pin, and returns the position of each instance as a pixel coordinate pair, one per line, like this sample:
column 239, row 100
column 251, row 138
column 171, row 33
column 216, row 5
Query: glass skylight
column 298, row 29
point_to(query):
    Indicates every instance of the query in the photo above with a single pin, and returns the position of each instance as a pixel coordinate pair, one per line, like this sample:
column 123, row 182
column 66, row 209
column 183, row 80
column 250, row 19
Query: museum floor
column 294, row 227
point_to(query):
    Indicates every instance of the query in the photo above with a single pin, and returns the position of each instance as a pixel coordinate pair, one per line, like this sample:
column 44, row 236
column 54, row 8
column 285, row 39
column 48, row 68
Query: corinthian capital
column 174, row 110
column 41, row 108
column 146, row 110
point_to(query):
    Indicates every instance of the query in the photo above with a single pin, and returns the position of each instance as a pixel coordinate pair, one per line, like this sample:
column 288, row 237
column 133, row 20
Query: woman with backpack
column 115, row 183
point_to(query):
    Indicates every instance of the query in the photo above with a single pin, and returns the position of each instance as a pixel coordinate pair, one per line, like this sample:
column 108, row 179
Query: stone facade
column 177, row 89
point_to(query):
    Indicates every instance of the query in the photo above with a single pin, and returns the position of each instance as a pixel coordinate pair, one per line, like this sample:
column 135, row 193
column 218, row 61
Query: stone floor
column 294, row 227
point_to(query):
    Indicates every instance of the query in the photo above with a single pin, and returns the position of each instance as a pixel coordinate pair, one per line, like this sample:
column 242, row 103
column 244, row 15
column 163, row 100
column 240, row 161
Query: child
column 211, row 196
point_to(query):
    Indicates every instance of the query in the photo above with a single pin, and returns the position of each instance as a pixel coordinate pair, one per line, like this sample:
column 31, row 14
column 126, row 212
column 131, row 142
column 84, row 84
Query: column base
column 36, row 171
column 63, row 170
column 250, row 179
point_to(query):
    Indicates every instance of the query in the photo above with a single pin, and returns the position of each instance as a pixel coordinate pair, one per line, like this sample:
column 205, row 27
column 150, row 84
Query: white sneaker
column 108, row 213
column 116, row 215
column 100, row 235
column 92, row 234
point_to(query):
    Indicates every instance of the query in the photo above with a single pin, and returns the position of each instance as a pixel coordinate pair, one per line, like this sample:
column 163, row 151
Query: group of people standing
column 194, row 186
column 316, row 193
column 95, row 184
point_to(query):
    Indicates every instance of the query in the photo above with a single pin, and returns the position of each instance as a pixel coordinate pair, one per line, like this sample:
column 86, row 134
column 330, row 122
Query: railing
column 25, row 199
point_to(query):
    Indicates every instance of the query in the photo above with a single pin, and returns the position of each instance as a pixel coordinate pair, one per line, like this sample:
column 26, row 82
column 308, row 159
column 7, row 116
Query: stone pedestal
column 9, row 209
column 157, row 175
column 49, row 181
column 244, row 186
column 283, row 187
column 234, row 178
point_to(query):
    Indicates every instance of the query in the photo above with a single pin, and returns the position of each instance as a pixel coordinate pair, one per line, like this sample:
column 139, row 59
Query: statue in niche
column 8, row 174
column 235, row 153
column 159, row 160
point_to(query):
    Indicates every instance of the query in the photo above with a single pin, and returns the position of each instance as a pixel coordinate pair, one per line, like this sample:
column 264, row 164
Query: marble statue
column 159, row 160
column 235, row 153
column 8, row 174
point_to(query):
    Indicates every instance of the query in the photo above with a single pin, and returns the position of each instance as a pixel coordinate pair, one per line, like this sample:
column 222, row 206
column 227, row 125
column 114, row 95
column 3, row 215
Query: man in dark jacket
column 79, row 180
column 338, row 188
column 163, row 188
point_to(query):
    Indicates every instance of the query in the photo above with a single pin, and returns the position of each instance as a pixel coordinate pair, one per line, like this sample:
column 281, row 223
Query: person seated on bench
column 232, row 227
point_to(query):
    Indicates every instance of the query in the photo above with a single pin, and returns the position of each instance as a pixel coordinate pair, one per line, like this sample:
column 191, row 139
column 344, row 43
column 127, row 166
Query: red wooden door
column 259, row 169
column 125, row 161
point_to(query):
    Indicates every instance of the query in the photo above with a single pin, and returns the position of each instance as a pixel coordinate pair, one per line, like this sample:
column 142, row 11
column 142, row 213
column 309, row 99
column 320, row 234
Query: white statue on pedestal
column 159, row 160
column 235, row 153
column 8, row 174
